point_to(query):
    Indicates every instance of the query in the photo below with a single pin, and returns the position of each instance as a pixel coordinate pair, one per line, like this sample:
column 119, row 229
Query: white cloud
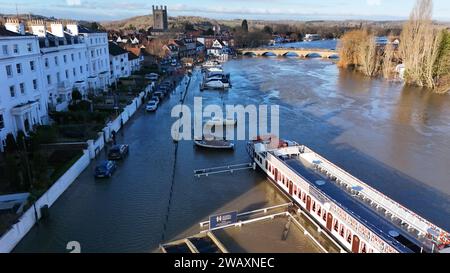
column 373, row 2
column 73, row 2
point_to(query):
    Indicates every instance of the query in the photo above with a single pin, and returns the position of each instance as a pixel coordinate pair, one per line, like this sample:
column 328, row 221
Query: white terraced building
column 40, row 69
column 23, row 99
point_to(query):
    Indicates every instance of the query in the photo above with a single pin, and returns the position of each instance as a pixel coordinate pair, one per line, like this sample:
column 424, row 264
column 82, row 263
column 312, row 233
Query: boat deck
column 354, row 206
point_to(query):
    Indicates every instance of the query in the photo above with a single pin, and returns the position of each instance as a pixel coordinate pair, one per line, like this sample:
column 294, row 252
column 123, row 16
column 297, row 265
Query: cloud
column 73, row 2
column 373, row 2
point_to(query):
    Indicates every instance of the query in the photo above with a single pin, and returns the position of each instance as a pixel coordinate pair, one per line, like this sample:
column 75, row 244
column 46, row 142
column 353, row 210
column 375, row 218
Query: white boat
column 209, row 64
column 216, row 84
column 215, row 144
column 358, row 217
column 217, row 121
column 214, row 69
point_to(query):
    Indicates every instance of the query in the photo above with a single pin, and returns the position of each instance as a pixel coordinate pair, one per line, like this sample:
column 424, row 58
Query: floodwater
column 393, row 138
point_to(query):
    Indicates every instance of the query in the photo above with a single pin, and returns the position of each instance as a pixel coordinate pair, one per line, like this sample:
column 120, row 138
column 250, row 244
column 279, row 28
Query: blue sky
column 100, row 10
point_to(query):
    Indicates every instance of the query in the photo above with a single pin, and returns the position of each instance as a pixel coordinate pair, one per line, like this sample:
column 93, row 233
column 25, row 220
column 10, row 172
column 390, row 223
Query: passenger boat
column 212, row 142
column 217, row 121
column 359, row 218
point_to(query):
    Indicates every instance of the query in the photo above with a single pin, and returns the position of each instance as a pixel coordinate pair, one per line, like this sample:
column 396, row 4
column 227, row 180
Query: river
column 395, row 138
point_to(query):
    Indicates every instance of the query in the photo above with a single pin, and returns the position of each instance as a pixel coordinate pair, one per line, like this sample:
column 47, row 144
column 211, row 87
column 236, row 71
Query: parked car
column 105, row 169
column 155, row 98
column 151, row 106
column 159, row 94
column 118, row 152
column 152, row 76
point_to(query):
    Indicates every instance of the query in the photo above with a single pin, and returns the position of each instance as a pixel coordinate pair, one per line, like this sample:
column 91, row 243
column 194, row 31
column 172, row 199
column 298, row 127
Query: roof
column 83, row 29
column 116, row 50
column 132, row 56
column 6, row 33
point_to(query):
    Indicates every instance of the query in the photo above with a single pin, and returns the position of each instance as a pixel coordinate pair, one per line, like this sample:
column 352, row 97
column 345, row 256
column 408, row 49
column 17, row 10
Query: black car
column 118, row 152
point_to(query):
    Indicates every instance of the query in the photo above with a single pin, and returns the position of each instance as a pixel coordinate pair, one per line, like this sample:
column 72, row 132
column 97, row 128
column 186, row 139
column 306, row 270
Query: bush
column 80, row 106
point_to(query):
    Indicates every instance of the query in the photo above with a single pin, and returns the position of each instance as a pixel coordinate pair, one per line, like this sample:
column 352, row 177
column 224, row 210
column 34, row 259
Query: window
column 92, row 53
column 67, row 74
column 32, row 66
column 56, row 60
column 30, row 47
column 81, row 69
column 46, row 62
column 16, row 49
column 19, row 68
column 72, row 57
column 65, row 59
column 79, row 55
column 12, row 91
column 9, row 72
column 5, row 50
column 58, row 77
column 2, row 122
column 49, row 79
column 22, row 88
column 74, row 72
column 35, row 85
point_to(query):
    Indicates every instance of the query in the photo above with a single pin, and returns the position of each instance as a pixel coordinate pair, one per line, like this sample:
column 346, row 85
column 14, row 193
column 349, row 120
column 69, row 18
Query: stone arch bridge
column 280, row 52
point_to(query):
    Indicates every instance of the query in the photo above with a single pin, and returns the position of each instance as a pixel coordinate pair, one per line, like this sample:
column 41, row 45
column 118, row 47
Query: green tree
column 11, row 144
column 268, row 30
column 244, row 25
column 12, row 173
column 76, row 95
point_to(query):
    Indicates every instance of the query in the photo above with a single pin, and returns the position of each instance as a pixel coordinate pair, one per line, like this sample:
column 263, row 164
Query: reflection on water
column 394, row 138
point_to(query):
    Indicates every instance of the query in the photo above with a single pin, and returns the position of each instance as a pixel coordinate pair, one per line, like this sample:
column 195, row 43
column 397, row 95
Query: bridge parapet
column 281, row 51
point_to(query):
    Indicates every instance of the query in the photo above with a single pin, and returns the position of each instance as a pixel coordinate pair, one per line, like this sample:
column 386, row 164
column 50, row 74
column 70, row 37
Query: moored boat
column 357, row 216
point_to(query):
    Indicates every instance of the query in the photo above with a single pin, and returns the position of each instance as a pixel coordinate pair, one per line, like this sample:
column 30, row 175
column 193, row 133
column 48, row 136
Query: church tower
column 160, row 22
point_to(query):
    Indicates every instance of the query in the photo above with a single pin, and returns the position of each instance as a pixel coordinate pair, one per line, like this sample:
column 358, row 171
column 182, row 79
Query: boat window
column 342, row 230
column 349, row 236
column 314, row 206
column 319, row 210
column 336, row 225
column 363, row 247
column 267, row 165
column 304, row 197
column 324, row 215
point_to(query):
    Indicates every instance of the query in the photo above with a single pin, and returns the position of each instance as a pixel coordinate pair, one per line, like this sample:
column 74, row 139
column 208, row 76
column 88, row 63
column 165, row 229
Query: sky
column 105, row 10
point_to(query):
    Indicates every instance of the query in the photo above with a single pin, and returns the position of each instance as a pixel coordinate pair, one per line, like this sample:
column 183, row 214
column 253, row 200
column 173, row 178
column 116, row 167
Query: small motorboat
column 212, row 142
column 217, row 121
column 223, row 83
column 210, row 64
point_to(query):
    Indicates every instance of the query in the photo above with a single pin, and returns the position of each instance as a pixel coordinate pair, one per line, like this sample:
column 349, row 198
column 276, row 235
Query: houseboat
column 359, row 218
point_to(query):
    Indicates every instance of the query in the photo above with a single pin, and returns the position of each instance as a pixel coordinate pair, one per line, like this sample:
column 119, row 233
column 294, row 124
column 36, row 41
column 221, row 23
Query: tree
column 268, row 30
column 76, row 95
column 419, row 47
column 11, row 144
column 188, row 26
column 244, row 25
column 209, row 32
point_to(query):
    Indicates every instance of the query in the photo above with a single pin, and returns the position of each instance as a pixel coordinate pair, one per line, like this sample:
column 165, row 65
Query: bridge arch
column 269, row 54
column 333, row 56
column 249, row 54
column 291, row 54
column 313, row 55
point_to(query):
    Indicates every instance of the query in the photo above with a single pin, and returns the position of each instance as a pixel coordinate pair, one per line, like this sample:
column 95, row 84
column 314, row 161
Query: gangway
column 223, row 169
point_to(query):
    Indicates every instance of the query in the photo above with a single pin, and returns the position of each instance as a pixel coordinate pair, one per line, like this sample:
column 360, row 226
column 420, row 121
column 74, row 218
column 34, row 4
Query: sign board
column 223, row 219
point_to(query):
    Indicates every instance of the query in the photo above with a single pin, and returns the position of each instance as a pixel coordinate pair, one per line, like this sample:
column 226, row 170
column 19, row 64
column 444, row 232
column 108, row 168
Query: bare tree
column 419, row 47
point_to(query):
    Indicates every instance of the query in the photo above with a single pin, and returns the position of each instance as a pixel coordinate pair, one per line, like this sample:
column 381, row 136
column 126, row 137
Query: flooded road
column 393, row 138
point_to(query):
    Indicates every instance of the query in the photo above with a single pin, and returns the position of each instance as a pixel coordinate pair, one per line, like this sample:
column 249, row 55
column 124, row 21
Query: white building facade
column 39, row 70
column 118, row 60
column 23, row 100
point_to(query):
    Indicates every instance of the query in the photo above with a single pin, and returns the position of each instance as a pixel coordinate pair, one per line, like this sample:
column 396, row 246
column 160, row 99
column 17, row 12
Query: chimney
column 72, row 28
column 38, row 28
column 14, row 25
column 57, row 29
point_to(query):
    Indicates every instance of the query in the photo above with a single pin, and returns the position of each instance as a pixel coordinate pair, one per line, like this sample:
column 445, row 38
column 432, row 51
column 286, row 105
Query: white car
column 152, row 76
column 151, row 106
